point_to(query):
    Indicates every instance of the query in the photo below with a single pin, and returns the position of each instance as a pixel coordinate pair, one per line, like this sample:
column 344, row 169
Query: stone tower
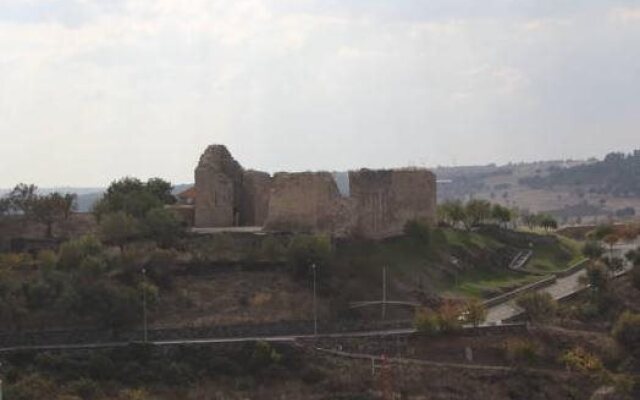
column 218, row 179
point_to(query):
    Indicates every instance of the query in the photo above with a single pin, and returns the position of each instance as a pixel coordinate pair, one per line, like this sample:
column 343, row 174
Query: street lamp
column 315, row 305
column 144, row 304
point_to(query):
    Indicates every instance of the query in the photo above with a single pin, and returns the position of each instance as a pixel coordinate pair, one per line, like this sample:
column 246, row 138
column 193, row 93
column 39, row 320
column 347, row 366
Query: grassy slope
column 479, row 271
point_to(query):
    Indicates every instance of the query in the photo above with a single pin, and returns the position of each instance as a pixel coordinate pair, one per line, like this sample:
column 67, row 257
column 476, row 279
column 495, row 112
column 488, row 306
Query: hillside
column 575, row 192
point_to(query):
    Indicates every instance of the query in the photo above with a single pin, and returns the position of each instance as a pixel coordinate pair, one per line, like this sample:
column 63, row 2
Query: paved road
column 563, row 287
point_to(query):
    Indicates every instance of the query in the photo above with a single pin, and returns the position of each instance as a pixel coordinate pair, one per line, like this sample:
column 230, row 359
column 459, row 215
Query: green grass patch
column 554, row 257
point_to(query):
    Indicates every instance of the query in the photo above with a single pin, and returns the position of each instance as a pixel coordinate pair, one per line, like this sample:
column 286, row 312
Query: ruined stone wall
column 386, row 199
column 256, row 192
column 218, row 180
column 306, row 201
column 379, row 204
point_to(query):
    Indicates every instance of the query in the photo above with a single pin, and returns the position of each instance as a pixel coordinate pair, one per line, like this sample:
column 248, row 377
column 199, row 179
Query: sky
column 91, row 91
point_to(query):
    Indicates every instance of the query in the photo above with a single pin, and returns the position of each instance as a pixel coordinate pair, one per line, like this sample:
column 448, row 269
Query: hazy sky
column 94, row 90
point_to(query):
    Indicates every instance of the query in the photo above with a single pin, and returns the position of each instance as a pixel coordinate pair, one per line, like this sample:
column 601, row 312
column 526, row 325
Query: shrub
column 426, row 321
column 449, row 318
column 626, row 331
column 418, row 231
column 593, row 249
column 475, row 313
column 73, row 252
column 519, row 350
column 119, row 228
column 539, row 306
column 271, row 249
column 134, row 394
column 263, row 356
column 162, row 226
column 635, row 276
column 307, row 250
column 580, row 360
column 31, row 387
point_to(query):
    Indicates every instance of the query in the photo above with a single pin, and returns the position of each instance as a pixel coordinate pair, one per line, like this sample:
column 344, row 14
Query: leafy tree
column 161, row 189
column 68, row 204
column 531, row 220
column 547, row 222
column 5, row 206
column 47, row 210
column 477, row 211
column 134, row 197
column 118, row 228
column 593, row 250
column 539, row 306
column 452, row 212
column 475, row 312
column 22, row 196
column 162, row 226
column 501, row 214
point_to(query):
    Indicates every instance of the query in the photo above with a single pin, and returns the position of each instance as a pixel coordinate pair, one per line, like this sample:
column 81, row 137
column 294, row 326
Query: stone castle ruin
column 378, row 203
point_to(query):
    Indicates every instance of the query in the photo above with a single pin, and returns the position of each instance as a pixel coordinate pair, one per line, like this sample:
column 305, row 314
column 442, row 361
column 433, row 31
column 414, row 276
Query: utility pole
column 315, row 304
column 384, row 292
column 144, row 304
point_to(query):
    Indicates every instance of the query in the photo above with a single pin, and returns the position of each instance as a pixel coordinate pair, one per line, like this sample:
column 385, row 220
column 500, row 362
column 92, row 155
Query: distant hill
column 617, row 175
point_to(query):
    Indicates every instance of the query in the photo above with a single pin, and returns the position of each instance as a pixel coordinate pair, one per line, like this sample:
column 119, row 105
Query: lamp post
column 144, row 304
column 315, row 305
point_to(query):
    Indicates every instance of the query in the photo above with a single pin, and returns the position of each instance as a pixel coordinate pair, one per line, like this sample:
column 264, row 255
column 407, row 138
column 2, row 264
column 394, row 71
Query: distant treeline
column 618, row 175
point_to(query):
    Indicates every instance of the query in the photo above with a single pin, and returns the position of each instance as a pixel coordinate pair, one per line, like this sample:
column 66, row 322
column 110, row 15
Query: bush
column 519, row 351
column 449, row 318
column 475, row 312
column 446, row 320
column 263, row 356
column 626, row 331
column 73, row 252
column 582, row 361
column 426, row 321
column 593, row 250
column 418, row 231
column 119, row 228
column 31, row 387
column 635, row 276
column 539, row 306
column 307, row 250
column 162, row 226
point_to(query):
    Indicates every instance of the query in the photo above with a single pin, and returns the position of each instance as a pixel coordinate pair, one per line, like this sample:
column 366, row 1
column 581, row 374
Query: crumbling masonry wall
column 220, row 191
column 305, row 201
column 379, row 204
column 386, row 199
column 256, row 191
